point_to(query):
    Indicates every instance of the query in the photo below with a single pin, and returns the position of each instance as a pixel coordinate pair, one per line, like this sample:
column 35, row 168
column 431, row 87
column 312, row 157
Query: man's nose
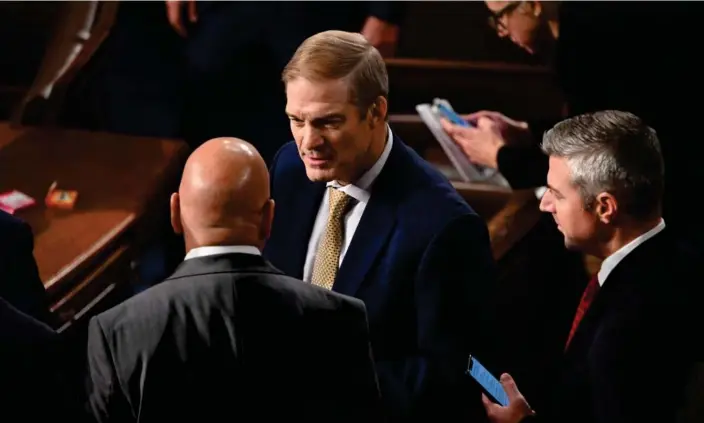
column 311, row 138
column 545, row 203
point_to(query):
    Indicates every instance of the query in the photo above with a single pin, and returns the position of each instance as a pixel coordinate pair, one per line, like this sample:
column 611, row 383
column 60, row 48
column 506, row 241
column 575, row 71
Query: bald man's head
column 224, row 196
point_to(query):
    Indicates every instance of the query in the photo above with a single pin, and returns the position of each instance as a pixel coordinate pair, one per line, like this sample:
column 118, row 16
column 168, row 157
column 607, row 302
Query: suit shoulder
column 286, row 158
column 12, row 227
column 311, row 297
column 19, row 328
column 421, row 184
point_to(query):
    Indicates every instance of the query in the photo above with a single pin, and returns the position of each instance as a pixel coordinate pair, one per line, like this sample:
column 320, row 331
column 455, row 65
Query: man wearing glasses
column 532, row 25
column 635, row 57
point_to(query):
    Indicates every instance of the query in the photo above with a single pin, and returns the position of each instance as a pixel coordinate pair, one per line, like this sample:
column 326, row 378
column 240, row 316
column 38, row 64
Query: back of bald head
column 225, row 186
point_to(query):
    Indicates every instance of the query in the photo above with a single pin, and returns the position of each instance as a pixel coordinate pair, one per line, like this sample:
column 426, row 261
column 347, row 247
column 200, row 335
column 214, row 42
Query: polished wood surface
column 519, row 91
column 120, row 181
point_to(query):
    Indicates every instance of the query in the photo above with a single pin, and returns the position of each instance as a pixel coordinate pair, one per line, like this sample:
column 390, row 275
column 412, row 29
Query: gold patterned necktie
column 327, row 257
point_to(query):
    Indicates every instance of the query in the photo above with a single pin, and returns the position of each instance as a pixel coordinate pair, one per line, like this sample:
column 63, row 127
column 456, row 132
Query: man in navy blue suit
column 362, row 214
column 20, row 284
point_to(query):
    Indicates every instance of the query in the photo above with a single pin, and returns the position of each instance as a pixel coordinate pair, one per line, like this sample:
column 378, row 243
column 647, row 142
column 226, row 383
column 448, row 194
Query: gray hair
column 611, row 151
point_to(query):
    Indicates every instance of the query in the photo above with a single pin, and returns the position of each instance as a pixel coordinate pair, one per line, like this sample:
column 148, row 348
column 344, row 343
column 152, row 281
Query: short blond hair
column 333, row 55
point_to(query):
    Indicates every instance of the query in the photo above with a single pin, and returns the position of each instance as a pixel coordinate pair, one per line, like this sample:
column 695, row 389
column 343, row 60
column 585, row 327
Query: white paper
column 466, row 169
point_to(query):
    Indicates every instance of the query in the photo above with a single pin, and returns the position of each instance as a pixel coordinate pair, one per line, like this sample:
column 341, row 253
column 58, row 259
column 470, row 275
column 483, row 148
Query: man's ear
column 378, row 111
column 606, row 207
column 267, row 219
column 175, row 209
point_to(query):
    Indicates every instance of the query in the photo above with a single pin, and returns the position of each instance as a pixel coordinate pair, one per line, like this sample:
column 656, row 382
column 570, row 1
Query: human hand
column 174, row 9
column 381, row 34
column 489, row 132
column 517, row 408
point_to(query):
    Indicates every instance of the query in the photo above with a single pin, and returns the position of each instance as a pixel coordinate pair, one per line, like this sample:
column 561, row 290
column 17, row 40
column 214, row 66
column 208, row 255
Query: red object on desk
column 14, row 200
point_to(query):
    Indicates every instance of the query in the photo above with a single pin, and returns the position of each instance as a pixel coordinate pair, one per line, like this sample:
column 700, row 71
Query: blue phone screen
column 452, row 116
column 487, row 381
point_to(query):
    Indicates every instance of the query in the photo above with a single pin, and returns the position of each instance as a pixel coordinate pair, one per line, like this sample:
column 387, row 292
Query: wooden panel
column 455, row 30
column 123, row 184
column 519, row 91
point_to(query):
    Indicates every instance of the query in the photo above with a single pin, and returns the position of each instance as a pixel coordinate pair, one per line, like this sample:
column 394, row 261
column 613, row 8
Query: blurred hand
column 491, row 131
column 174, row 11
column 382, row 35
column 517, row 408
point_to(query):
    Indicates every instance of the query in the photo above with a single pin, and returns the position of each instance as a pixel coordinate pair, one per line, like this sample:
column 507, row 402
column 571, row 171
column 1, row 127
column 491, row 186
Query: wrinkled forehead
column 310, row 99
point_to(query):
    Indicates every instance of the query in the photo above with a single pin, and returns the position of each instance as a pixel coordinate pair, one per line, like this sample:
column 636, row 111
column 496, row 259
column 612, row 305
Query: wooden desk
column 520, row 91
column 86, row 254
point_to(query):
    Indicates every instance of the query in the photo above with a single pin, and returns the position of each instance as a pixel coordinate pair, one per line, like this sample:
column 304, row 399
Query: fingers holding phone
column 517, row 408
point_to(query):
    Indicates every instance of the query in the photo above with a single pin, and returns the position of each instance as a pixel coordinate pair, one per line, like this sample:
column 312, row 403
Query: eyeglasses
column 496, row 18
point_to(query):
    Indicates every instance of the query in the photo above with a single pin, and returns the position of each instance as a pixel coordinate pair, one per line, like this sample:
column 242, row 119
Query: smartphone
column 491, row 385
column 450, row 115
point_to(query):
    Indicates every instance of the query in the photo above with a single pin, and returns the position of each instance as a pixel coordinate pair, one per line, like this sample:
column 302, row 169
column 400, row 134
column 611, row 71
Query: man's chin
column 320, row 175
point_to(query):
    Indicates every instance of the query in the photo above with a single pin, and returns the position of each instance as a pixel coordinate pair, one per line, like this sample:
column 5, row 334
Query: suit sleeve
column 526, row 166
column 106, row 401
column 392, row 12
column 454, row 281
column 21, row 285
column 360, row 366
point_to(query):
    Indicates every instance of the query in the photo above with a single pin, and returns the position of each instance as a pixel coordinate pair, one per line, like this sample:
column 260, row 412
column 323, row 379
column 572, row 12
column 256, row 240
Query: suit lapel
column 626, row 272
column 371, row 235
column 374, row 228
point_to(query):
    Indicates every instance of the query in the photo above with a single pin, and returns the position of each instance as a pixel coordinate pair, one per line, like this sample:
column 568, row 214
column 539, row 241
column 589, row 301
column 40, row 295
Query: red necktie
column 585, row 302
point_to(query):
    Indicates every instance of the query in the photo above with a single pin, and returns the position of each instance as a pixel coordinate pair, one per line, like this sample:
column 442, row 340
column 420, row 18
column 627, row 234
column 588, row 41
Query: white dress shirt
column 222, row 249
column 360, row 192
column 610, row 262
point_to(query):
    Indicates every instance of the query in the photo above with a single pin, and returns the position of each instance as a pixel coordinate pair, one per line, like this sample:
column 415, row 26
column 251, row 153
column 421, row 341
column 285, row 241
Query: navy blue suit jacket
column 20, row 284
column 420, row 260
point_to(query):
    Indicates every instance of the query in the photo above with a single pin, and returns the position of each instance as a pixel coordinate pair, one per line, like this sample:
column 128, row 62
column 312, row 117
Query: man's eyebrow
column 329, row 116
column 552, row 188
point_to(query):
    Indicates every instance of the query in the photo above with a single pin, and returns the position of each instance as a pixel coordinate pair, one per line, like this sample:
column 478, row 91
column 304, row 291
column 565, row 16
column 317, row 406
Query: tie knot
column 338, row 202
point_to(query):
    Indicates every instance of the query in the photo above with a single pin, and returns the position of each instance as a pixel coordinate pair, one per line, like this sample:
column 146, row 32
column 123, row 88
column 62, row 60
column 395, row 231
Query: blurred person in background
column 636, row 57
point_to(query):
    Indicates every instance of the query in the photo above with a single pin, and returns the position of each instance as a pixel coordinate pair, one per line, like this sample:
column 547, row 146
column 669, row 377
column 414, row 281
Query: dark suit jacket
column 230, row 338
column 19, row 278
column 420, row 260
column 29, row 362
column 630, row 358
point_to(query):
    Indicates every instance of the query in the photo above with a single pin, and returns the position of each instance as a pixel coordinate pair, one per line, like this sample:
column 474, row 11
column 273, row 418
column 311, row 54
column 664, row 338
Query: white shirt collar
column 222, row 249
column 361, row 190
column 610, row 262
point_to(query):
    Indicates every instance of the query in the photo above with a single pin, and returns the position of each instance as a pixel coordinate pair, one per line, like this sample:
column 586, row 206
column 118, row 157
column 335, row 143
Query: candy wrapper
column 60, row 199
column 15, row 200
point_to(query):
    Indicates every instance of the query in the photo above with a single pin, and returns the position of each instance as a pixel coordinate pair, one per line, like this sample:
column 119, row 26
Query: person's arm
column 20, row 283
column 392, row 12
column 523, row 166
column 453, row 281
column 381, row 27
column 359, row 369
column 106, row 401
